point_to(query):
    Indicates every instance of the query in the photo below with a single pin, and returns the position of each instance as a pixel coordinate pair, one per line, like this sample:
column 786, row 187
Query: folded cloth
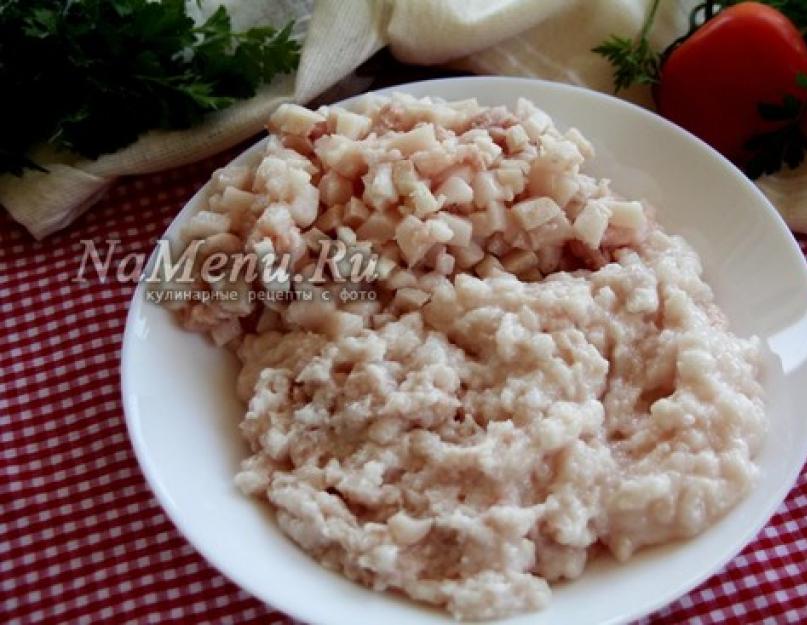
column 549, row 39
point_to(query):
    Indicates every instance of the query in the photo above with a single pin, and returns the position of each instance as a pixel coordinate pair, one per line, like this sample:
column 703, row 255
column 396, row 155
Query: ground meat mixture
column 540, row 372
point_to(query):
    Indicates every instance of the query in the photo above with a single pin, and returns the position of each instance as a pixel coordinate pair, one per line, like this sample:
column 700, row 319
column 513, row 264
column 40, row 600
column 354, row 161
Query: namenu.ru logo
column 276, row 273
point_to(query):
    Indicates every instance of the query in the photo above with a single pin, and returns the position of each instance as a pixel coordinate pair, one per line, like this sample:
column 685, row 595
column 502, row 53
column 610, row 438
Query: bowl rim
column 295, row 610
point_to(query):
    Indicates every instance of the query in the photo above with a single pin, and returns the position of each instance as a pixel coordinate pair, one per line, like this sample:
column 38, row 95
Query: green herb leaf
column 92, row 75
column 775, row 149
column 786, row 144
column 789, row 109
column 633, row 60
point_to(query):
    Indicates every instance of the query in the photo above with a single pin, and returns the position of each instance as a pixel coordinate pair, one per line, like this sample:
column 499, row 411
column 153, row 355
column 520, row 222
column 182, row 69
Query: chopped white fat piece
column 334, row 188
column 444, row 263
column 295, row 119
column 407, row 530
column 583, row 144
column 204, row 224
column 341, row 154
column 537, row 124
column 468, row 256
column 560, row 153
column 626, row 214
column 512, row 180
column 416, row 140
column 378, row 227
column 233, row 198
column 519, row 261
column 480, row 222
column 488, row 267
column 355, row 213
column 346, row 235
column 486, row 189
column 424, row 201
column 305, row 206
column 461, row 229
column 415, row 237
column 351, row 125
column 232, row 176
column 401, row 279
column 410, row 298
column 379, row 190
column 404, row 177
column 331, row 218
column 591, row 223
column 456, row 191
column 534, row 213
column 313, row 238
column 497, row 217
column 516, row 138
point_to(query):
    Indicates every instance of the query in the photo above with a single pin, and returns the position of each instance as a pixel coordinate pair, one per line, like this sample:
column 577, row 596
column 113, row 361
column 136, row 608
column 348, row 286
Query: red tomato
column 712, row 83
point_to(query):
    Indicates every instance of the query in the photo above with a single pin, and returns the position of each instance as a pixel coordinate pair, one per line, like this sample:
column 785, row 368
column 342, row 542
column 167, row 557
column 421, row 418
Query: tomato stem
column 648, row 22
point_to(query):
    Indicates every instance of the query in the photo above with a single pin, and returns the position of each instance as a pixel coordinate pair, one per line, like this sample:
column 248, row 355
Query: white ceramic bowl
column 182, row 413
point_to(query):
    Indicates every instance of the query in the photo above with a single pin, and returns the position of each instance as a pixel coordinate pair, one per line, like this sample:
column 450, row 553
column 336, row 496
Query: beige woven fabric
column 543, row 38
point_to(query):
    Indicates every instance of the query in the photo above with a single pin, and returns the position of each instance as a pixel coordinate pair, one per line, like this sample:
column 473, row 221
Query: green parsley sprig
column 786, row 144
column 633, row 60
column 90, row 76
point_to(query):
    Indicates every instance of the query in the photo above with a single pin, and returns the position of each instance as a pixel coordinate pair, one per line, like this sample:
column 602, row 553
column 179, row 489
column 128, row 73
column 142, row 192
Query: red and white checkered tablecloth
column 82, row 539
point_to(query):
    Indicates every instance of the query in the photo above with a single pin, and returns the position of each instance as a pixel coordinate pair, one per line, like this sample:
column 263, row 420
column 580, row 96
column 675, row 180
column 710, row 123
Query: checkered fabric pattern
column 82, row 539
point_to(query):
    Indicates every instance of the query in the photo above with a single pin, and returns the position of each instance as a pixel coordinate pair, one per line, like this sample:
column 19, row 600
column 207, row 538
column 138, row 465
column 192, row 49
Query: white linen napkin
column 541, row 38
